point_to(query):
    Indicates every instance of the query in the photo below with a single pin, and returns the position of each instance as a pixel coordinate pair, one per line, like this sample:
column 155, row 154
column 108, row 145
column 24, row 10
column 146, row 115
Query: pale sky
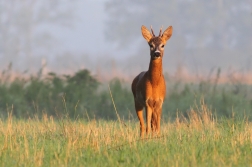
column 83, row 44
column 87, row 34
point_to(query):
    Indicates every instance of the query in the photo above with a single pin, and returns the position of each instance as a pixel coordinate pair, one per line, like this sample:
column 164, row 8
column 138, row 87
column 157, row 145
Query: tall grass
column 197, row 139
column 75, row 121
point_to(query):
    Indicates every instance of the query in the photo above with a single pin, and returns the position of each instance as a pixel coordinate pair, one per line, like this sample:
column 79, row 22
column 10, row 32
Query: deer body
column 149, row 87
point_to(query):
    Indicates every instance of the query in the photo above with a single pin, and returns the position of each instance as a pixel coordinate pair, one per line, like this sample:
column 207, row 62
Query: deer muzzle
column 157, row 54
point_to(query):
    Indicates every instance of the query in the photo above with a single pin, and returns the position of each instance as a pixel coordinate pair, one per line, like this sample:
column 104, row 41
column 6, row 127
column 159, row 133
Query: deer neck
column 155, row 71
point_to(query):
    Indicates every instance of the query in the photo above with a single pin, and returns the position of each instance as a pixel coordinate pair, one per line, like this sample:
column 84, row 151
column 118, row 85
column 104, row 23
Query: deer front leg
column 154, row 122
column 139, row 111
column 148, row 119
column 159, row 120
column 158, row 113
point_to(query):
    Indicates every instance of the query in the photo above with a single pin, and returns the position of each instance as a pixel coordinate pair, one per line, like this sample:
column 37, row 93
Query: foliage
column 82, row 96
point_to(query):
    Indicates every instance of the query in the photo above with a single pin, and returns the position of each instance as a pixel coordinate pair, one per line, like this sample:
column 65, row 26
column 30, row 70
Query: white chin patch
column 154, row 58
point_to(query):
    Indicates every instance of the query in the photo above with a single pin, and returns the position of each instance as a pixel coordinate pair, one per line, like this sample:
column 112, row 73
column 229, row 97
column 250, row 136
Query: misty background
column 104, row 36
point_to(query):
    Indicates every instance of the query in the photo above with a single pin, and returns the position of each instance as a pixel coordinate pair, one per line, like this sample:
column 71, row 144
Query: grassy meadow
column 74, row 120
column 200, row 139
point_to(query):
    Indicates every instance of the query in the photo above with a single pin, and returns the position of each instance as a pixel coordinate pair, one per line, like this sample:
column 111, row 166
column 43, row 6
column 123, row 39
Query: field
column 200, row 139
column 75, row 120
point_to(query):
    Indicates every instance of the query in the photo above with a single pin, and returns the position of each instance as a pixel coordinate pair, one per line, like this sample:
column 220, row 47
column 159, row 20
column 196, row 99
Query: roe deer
column 149, row 87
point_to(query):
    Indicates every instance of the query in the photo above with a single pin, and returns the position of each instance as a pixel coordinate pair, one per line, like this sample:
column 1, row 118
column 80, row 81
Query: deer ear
column 146, row 33
column 167, row 33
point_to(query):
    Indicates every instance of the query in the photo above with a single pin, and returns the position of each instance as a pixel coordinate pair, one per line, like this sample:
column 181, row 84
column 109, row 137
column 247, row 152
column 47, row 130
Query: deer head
column 156, row 43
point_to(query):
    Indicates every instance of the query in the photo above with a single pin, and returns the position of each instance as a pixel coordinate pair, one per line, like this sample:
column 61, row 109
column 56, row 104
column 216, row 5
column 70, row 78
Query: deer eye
column 151, row 46
column 162, row 46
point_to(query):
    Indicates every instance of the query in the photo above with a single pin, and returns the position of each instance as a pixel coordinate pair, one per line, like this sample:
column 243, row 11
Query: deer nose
column 157, row 53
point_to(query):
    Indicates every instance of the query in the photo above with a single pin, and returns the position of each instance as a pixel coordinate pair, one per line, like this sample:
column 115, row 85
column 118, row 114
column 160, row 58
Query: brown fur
column 149, row 87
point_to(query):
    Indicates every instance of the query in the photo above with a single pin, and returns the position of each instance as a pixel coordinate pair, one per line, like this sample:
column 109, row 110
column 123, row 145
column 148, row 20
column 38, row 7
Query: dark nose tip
column 157, row 54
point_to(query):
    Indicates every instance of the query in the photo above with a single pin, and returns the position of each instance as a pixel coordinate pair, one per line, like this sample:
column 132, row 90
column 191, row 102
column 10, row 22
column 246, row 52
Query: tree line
column 82, row 96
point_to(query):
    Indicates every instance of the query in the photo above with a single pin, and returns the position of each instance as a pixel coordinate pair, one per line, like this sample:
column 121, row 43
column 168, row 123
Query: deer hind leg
column 139, row 111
